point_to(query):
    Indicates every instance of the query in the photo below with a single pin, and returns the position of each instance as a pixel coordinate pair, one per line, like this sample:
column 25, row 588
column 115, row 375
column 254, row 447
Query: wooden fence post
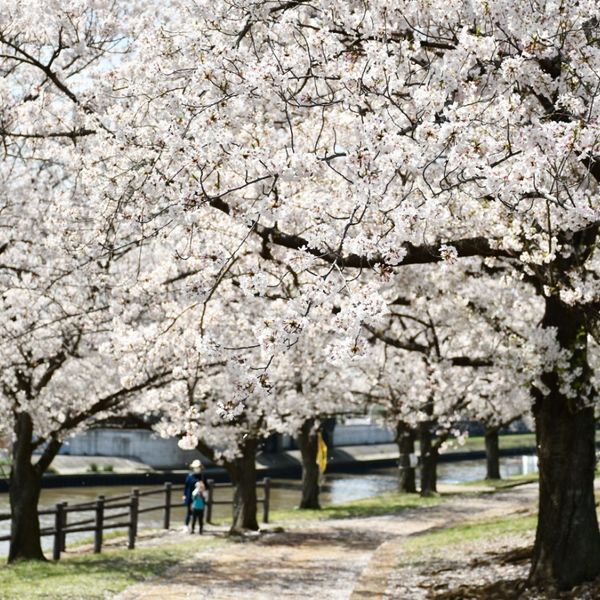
column 63, row 545
column 133, row 517
column 267, row 499
column 58, row 523
column 209, row 500
column 99, row 525
column 167, row 519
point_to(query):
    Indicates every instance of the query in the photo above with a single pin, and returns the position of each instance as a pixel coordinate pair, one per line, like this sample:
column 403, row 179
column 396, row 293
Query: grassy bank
column 386, row 504
column 93, row 576
column 394, row 503
column 479, row 560
column 507, row 442
column 440, row 542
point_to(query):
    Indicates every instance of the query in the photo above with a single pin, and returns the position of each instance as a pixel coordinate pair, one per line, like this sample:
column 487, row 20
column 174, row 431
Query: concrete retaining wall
column 162, row 453
column 355, row 434
column 140, row 444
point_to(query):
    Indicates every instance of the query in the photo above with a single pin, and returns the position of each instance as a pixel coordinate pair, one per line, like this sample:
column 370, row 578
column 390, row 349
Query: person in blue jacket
column 193, row 477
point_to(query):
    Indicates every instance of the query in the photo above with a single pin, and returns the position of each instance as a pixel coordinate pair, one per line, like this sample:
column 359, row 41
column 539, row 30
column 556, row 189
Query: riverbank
column 94, row 471
column 466, row 544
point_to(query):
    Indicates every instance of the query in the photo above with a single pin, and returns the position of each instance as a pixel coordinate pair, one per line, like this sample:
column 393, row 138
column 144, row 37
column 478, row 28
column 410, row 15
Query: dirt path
column 338, row 559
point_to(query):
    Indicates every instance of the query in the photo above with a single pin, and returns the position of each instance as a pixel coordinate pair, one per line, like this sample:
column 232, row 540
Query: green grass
column 108, row 535
column 92, row 576
column 508, row 441
column 437, row 542
column 385, row 504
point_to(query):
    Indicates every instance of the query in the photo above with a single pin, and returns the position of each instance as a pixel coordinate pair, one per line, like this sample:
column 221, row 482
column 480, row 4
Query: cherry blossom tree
column 357, row 136
column 454, row 349
column 57, row 312
column 322, row 391
column 245, row 361
column 60, row 256
column 55, row 379
column 365, row 135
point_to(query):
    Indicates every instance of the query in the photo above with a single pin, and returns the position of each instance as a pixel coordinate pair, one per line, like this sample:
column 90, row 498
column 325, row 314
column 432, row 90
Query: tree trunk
column 492, row 453
column 429, row 456
column 24, row 491
column 308, row 442
column 567, row 544
column 243, row 475
column 405, row 438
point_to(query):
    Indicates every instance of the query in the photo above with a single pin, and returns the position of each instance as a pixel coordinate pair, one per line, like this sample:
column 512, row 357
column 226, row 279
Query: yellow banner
column 321, row 453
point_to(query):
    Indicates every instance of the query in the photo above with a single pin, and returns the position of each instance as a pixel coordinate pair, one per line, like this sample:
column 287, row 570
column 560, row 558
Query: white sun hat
column 196, row 464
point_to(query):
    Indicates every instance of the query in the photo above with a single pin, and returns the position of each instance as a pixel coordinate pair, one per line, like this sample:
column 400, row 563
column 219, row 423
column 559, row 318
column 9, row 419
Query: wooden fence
column 128, row 507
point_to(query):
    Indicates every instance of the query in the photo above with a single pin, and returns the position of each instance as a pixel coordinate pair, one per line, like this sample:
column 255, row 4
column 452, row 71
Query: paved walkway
column 342, row 559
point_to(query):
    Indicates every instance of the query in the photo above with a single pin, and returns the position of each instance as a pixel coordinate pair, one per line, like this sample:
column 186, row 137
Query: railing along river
column 129, row 507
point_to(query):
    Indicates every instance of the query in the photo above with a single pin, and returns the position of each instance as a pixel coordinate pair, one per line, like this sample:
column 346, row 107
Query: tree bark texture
column 308, row 442
column 492, row 453
column 24, row 491
column 242, row 471
column 405, row 439
column 429, row 459
column 567, row 544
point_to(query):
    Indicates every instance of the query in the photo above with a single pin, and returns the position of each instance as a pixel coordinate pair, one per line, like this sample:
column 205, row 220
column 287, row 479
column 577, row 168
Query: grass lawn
column 386, row 504
column 513, row 440
column 92, row 576
column 437, row 543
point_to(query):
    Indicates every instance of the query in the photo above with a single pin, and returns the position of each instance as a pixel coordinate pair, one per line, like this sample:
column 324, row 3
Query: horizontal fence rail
column 101, row 521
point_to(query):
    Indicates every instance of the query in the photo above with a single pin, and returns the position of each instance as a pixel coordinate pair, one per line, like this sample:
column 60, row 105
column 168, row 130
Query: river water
column 285, row 494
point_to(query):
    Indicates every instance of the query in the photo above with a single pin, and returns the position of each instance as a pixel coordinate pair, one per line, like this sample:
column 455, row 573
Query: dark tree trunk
column 24, row 491
column 567, row 544
column 429, row 458
column 243, row 475
column 492, row 453
column 308, row 442
column 405, row 438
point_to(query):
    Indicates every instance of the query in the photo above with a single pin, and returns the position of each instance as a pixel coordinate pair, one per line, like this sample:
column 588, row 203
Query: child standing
column 196, row 474
column 198, row 504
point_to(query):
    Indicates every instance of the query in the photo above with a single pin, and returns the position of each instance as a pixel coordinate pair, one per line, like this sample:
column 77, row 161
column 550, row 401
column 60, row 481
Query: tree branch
column 424, row 254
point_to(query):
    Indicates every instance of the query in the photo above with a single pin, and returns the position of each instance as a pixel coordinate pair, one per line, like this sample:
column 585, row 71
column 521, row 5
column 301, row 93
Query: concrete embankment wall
column 143, row 445
column 161, row 453
column 284, row 465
